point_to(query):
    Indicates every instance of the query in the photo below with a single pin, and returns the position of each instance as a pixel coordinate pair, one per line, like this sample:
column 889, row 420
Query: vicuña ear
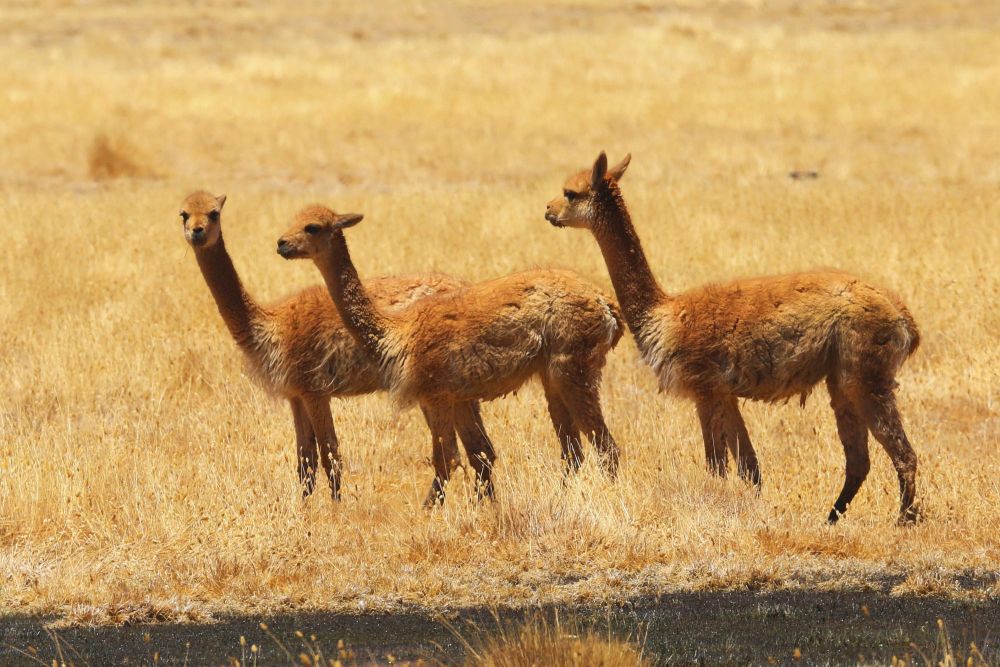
column 618, row 170
column 222, row 201
column 600, row 169
column 345, row 220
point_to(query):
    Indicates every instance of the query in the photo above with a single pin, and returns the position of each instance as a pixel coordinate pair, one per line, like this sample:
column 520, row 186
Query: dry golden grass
column 141, row 470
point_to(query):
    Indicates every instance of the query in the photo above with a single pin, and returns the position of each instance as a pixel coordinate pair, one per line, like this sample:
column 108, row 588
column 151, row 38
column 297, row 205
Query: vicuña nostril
column 198, row 230
column 282, row 243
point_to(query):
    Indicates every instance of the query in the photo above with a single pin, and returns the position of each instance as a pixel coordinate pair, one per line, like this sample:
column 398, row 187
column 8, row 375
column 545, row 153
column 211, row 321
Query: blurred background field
column 143, row 476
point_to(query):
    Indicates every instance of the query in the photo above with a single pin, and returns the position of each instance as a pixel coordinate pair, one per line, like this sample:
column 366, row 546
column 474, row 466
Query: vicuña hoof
column 911, row 516
column 435, row 496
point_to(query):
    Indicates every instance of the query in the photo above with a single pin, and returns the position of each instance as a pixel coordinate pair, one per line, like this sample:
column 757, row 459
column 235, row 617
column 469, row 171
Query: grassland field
column 144, row 476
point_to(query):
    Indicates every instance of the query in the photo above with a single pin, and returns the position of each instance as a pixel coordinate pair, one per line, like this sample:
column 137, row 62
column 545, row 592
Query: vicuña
column 475, row 343
column 766, row 339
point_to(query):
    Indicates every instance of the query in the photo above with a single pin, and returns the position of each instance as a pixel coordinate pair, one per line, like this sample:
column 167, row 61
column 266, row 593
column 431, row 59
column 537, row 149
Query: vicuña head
column 309, row 235
column 200, row 214
column 580, row 204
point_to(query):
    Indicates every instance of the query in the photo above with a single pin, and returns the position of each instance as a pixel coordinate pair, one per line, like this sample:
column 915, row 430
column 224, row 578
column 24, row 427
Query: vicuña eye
column 312, row 228
column 184, row 216
column 570, row 195
column 213, row 216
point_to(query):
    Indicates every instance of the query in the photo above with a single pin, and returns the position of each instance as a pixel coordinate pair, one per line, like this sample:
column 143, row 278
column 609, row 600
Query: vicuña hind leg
column 305, row 447
column 444, row 450
column 854, row 436
column 318, row 411
column 478, row 446
column 579, row 389
column 566, row 430
column 879, row 409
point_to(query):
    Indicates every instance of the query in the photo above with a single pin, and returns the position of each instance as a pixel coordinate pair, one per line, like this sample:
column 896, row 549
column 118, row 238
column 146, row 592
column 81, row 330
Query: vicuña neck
column 238, row 309
column 359, row 313
column 633, row 280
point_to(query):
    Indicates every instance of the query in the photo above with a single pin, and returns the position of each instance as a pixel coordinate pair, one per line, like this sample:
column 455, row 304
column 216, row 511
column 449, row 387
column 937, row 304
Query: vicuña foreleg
column 566, row 430
column 318, row 410
column 478, row 446
column 444, row 450
column 305, row 447
column 711, row 417
column 738, row 441
column 723, row 429
column 578, row 387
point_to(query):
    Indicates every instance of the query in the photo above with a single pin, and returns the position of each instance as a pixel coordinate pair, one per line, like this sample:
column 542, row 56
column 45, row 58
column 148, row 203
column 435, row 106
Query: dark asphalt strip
column 695, row 628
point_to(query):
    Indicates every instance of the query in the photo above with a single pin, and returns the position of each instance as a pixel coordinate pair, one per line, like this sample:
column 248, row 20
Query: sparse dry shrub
column 115, row 157
column 541, row 641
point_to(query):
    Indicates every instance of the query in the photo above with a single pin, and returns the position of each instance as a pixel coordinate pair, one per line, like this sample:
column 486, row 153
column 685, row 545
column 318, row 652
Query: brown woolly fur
column 479, row 342
column 299, row 348
column 766, row 339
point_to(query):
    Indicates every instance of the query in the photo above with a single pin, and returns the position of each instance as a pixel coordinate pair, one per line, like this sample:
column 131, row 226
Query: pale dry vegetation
column 141, row 470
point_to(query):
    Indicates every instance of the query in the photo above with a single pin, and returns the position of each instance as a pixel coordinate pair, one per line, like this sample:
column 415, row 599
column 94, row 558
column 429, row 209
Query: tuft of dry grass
column 132, row 612
column 552, row 642
column 140, row 466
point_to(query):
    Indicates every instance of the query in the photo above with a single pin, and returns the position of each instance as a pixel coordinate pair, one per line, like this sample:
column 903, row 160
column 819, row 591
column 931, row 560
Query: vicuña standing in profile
column 765, row 338
column 480, row 342
column 299, row 348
